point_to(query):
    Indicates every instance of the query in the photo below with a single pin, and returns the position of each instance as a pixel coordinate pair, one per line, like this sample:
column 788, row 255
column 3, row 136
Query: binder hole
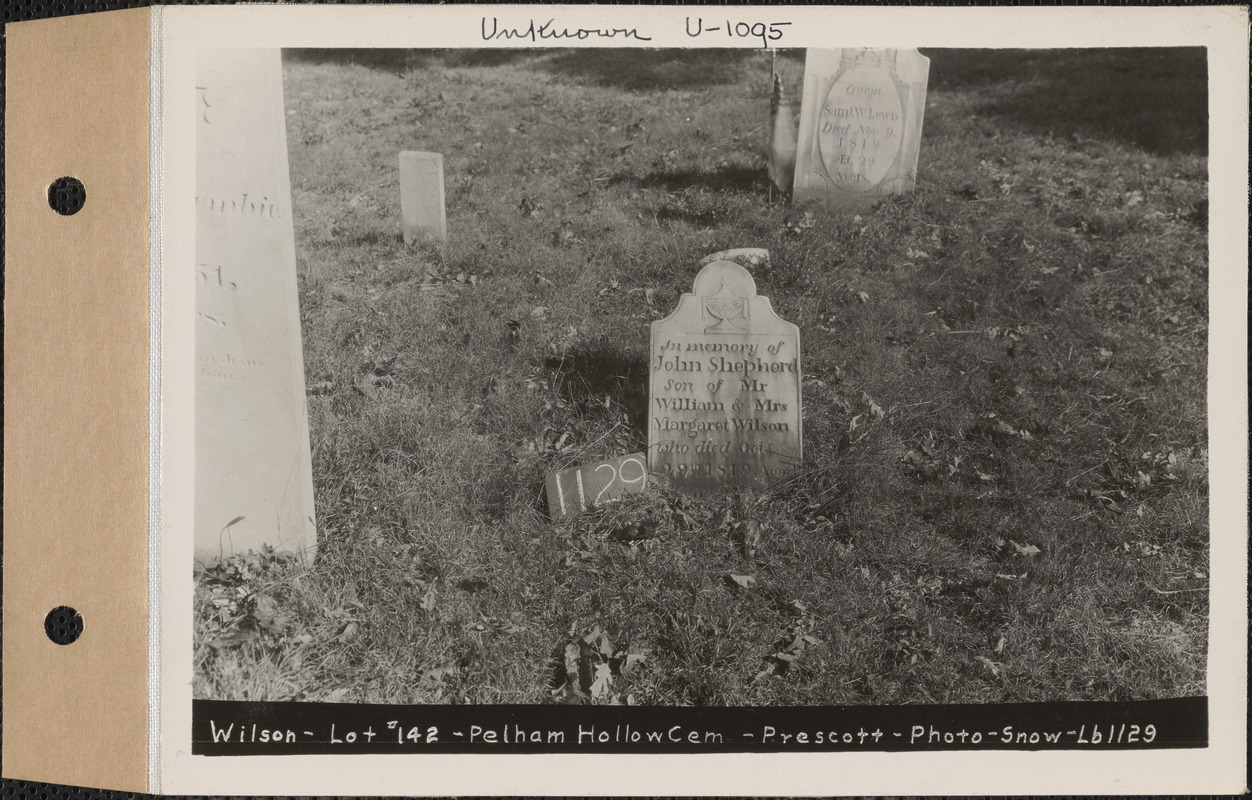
column 63, row 625
column 67, row 195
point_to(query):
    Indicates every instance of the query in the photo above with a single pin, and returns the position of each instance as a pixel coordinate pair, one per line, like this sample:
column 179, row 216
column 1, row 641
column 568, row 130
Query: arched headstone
column 724, row 399
column 860, row 124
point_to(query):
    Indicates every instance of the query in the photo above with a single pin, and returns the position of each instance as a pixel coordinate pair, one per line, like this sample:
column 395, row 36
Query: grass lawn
column 1005, row 492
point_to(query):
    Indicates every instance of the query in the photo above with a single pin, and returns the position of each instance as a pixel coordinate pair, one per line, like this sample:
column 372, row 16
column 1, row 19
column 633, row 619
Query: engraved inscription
column 860, row 124
column 724, row 412
column 241, row 205
column 253, row 482
column 859, row 132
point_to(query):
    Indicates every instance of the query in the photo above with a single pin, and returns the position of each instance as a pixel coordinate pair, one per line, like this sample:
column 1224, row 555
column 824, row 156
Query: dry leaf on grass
column 1025, row 550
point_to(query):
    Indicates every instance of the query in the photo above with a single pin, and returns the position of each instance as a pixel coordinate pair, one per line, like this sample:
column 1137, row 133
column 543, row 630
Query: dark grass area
column 1155, row 98
column 1005, row 492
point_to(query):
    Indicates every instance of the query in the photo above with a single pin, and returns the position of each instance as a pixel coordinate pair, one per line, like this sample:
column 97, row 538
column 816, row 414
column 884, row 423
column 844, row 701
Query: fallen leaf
column 989, row 664
column 349, row 631
column 1108, row 503
column 524, row 448
column 529, row 208
column 602, row 681
column 1002, row 428
column 636, row 656
column 874, row 409
column 746, row 581
column 267, row 614
column 1025, row 550
column 427, row 602
column 599, row 642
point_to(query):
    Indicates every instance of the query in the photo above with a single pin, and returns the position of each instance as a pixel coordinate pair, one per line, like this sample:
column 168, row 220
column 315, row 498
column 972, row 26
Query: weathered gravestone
column 253, row 480
column 421, row 196
column 724, row 400
column 860, row 124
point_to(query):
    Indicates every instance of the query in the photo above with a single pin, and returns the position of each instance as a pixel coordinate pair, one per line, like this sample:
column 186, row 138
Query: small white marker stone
column 421, row 196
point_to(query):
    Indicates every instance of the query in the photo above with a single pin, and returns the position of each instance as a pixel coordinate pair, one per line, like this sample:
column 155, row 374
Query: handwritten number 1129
column 616, row 473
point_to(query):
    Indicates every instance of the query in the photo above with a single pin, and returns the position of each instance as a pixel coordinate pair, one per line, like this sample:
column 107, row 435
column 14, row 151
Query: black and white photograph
column 701, row 378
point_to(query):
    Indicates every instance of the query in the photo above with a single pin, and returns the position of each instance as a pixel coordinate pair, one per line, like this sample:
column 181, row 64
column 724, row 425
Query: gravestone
column 253, row 480
column 421, row 197
column 780, row 162
column 724, row 399
column 577, row 489
column 860, row 124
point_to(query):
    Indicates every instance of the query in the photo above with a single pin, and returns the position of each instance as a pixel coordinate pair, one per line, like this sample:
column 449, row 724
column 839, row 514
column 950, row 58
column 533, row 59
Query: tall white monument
column 254, row 480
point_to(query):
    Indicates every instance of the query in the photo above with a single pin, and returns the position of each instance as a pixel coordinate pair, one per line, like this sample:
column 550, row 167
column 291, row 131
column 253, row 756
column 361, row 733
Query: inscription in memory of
column 253, row 482
column 860, row 123
column 724, row 399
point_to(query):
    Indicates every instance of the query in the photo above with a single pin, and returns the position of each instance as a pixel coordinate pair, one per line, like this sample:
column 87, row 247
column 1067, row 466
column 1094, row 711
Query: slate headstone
column 724, row 399
column 421, row 197
column 577, row 489
column 253, row 476
column 860, row 124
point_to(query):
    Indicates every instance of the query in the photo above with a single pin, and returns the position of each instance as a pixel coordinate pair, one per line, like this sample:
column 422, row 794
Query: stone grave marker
column 421, row 196
column 253, row 481
column 724, row 399
column 577, row 489
column 860, row 124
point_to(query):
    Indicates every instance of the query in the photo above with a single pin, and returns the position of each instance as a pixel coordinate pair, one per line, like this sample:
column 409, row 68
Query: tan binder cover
column 76, row 401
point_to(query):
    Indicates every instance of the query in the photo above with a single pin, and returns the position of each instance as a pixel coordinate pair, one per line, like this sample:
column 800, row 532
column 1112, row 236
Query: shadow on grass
column 727, row 179
column 401, row 61
column 634, row 69
column 587, row 376
column 1156, row 98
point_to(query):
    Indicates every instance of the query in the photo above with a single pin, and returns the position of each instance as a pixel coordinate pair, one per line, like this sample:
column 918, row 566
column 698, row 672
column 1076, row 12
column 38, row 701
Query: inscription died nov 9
column 253, row 483
column 724, row 400
column 860, row 123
